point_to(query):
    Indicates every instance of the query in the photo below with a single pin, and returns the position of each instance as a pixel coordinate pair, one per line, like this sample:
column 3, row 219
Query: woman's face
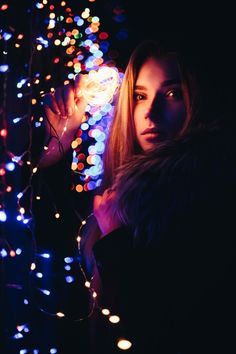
column 159, row 107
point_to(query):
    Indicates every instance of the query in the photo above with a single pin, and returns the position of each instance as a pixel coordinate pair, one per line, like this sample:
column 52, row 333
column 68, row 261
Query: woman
column 174, row 262
column 160, row 255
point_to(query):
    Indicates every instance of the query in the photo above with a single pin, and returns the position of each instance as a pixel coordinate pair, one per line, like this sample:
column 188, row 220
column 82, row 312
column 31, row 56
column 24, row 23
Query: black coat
column 170, row 275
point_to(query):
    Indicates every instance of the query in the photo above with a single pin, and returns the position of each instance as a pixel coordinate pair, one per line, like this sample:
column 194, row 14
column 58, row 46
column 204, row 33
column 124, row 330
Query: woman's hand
column 105, row 213
column 66, row 103
column 64, row 110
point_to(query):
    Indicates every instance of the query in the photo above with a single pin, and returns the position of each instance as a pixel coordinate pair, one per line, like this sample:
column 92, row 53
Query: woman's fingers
column 103, row 209
column 69, row 99
column 64, row 103
column 103, row 205
column 66, row 98
column 59, row 97
column 79, row 84
column 50, row 102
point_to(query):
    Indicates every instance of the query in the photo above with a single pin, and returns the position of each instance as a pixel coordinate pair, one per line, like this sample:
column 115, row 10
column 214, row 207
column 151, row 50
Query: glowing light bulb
column 114, row 319
column 3, row 216
column 12, row 253
column 33, row 266
column 105, row 312
column 22, row 210
column 60, row 314
column 100, row 86
column 124, row 344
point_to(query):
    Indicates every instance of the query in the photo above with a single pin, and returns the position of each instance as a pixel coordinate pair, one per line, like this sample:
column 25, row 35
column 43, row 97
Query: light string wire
column 88, row 281
column 3, row 182
column 87, row 284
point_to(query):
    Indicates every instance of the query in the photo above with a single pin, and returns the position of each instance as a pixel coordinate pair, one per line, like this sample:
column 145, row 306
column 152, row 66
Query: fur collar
column 155, row 187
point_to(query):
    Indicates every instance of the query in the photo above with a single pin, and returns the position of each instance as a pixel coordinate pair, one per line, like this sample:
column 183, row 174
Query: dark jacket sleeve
column 113, row 248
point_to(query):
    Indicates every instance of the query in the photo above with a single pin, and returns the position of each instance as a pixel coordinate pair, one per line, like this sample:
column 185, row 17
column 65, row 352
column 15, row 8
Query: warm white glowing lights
column 60, row 314
column 105, row 312
column 114, row 319
column 101, row 85
column 124, row 344
column 33, row 266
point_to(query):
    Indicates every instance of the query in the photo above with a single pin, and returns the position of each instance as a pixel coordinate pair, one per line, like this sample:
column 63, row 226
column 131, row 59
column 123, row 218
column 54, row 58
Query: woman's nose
column 150, row 113
column 153, row 110
column 147, row 114
column 149, row 109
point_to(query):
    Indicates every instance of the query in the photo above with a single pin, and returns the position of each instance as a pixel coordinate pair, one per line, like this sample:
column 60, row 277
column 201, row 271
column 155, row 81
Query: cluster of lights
column 83, row 48
column 100, row 88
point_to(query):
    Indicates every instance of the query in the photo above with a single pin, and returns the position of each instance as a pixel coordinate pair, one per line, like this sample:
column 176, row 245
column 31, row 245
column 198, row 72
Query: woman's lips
column 150, row 134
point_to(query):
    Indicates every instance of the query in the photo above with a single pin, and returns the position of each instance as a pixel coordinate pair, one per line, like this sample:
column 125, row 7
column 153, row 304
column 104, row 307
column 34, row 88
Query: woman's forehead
column 164, row 68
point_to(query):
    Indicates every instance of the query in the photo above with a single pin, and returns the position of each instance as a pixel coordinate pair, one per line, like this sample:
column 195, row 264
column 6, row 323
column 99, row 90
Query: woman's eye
column 138, row 97
column 175, row 93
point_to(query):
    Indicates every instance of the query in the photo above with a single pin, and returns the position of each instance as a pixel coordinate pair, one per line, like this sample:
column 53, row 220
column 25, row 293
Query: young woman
column 165, row 252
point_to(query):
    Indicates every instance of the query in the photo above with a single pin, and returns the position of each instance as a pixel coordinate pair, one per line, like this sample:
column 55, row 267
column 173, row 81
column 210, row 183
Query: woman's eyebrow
column 170, row 82
column 163, row 83
column 140, row 87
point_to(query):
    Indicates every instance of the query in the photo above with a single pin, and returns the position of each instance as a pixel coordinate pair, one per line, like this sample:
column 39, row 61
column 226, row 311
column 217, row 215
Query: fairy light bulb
column 124, row 344
column 100, row 86
column 60, row 314
column 3, row 216
column 33, row 266
column 12, row 253
column 22, row 210
column 114, row 319
column 87, row 284
column 105, row 312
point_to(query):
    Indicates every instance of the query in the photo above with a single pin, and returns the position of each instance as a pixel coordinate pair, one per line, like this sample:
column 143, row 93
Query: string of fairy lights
column 78, row 46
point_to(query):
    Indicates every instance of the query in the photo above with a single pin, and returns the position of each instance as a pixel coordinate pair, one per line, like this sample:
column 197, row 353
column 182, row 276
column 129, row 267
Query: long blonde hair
column 121, row 142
